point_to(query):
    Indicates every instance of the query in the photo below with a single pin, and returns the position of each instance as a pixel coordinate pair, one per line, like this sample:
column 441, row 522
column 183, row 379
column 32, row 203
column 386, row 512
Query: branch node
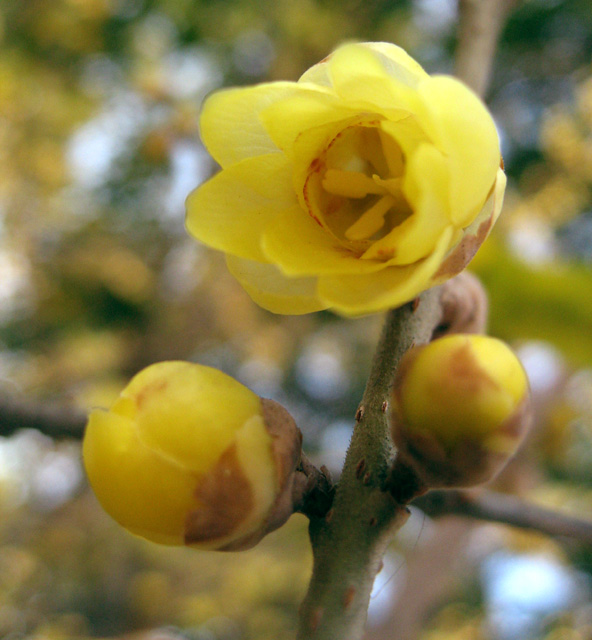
column 313, row 490
column 403, row 483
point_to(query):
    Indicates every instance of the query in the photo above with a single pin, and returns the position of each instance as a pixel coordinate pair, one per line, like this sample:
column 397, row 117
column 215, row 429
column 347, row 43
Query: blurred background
column 99, row 146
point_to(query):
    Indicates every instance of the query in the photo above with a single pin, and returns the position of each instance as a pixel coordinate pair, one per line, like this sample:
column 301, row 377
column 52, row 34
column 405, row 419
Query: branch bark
column 480, row 26
column 349, row 542
column 56, row 421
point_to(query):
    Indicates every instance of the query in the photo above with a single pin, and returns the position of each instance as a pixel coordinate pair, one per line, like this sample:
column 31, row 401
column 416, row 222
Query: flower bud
column 459, row 410
column 187, row 455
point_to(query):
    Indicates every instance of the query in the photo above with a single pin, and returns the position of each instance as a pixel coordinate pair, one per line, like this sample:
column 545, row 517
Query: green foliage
column 538, row 302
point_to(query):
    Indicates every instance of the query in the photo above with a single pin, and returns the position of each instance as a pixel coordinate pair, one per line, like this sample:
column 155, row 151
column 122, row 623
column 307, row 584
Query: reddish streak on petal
column 385, row 254
column 307, row 201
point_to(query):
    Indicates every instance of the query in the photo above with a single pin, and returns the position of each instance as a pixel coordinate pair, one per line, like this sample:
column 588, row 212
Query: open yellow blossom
column 355, row 188
column 188, row 455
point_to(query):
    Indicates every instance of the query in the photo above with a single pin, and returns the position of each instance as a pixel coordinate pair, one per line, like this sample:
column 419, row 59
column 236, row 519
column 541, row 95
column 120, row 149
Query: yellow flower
column 187, row 455
column 355, row 188
column 460, row 409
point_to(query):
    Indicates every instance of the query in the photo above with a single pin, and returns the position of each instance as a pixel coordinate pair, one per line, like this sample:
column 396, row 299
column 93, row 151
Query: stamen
column 350, row 184
column 370, row 221
column 389, row 185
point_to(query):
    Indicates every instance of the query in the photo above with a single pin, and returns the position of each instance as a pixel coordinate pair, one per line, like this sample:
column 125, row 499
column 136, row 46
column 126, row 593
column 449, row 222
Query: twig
column 349, row 542
column 498, row 507
column 53, row 420
column 480, row 25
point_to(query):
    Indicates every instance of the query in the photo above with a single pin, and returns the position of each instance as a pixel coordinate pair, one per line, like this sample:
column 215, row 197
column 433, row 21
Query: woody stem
column 349, row 541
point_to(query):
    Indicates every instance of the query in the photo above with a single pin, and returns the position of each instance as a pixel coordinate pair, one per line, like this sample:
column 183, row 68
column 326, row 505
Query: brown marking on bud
column 286, row 438
column 516, row 425
column 415, row 304
column 286, row 448
column 348, row 597
column 360, row 468
column 380, row 567
column 225, row 497
column 373, row 521
column 329, row 516
column 463, row 253
column 315, row 618
column 359, row 413
column 367, row 478
column 425, row 443
column 502, row 167
column 154, row 387
column 469, row 462
column 384, row 406
column 466, row 371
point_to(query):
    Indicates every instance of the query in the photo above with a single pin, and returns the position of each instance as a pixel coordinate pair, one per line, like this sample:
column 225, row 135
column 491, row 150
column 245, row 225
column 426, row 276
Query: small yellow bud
column 188, row 455
column 459, row 409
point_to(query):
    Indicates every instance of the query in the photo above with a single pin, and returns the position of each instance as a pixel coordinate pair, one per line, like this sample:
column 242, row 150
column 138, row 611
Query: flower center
column 356, row 191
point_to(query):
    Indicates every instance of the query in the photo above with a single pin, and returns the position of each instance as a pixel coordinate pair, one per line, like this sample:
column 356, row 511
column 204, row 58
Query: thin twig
column 498, row 507
column 57, row 421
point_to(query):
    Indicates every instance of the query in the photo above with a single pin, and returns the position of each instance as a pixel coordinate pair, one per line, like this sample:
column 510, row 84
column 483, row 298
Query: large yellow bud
column 459, row 409
column 187, row 455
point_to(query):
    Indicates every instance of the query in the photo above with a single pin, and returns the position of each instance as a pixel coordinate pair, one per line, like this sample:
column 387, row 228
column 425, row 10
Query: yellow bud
column 459, row 409
column 188, row 455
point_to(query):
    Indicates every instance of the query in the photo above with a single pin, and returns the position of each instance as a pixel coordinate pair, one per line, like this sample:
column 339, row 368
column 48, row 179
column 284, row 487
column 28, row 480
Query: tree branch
column 498, row 507
column 480, row 25
column 349, row 542
column 53, row 420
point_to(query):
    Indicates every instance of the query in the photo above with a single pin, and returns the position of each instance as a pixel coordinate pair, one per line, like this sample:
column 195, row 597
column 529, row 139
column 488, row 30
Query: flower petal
column 229, row 123
column 318, row 74
column 310, row 107
column 360, row 77
column 464, row 131
column 112, row 450
column 463, row 250
column 300, row 247
column 165, row 394
column 354, row 295
column 398, row 63
column 230, row 211
column 273, row 291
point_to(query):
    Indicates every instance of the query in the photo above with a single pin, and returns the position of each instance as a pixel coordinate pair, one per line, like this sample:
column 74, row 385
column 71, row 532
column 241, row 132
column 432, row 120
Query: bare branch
column 57, row 421
column 480, row 25
column 498, row 507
